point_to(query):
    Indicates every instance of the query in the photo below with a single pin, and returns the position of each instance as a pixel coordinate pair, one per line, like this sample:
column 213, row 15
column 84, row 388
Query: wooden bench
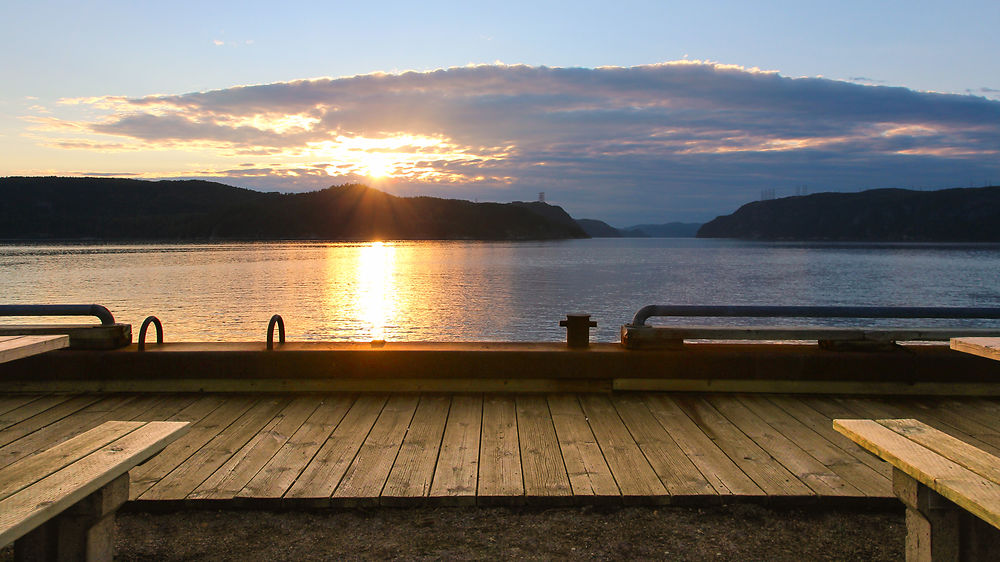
column 59, row 504
column 951, row 489
column 983, row 347
column 19, row 347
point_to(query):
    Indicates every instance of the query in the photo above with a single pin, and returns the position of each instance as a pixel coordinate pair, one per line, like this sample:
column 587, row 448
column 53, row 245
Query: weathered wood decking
column 271, row 450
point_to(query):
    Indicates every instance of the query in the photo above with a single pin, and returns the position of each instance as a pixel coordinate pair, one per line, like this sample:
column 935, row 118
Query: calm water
column 477, row 291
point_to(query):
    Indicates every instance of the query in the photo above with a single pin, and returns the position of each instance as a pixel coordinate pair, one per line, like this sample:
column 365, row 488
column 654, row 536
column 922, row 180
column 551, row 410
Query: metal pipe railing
column 898, row 312
column 102, row 313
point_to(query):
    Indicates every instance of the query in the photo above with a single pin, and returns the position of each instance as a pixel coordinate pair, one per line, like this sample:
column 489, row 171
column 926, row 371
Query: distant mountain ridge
column 40, row 208
column 600, row 229
column 884, row 215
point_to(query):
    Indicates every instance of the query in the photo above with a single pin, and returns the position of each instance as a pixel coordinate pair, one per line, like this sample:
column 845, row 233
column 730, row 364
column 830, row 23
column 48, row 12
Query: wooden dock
column 342, row 449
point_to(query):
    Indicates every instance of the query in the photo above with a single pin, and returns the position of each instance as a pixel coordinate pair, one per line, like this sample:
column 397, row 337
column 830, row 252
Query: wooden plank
column 236, row 472
column 589, row 474
column 632, row 471
column 18, row 347
column 678, row 474
column 541, row 461
column 500, row 472
column 322, row 475
column 60, row 430
column 862, row 477
column 983, row 347
column 29, row 470
column 769, row 474
column 364, row 480
column 983, row 435
column 37, row 503
column 413, row 471
column 945, row 421
column 168, row 407
column 181, row 481
column 12, row 402
column 970, row 457
column 32, row 417
column 984, row 411
column 201, row 432
column 821, row 424
column 721, row 472
column 965, row 488
column 274, row 479
column 22, row 412
column 814, row 474
column 459, row 464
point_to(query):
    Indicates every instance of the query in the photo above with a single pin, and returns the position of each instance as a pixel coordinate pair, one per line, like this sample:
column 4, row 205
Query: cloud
column 685, row 139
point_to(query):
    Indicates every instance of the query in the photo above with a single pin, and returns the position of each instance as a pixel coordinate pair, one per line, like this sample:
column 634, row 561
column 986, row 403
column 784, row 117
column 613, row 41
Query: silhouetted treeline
column 41, row 208
column 885, row 215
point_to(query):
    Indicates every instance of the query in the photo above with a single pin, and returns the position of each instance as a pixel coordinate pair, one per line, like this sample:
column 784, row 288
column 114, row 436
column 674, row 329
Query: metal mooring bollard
column 578, row 329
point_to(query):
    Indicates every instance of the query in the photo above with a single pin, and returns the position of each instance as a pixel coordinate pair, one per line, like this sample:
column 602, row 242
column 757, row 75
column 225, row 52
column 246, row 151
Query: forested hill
column 38, row 208
column 948, row 215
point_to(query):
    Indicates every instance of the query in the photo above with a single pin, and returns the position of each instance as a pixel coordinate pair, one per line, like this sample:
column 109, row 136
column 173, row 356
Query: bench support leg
column 937, row 529
column 85, row 531
column 932, row 522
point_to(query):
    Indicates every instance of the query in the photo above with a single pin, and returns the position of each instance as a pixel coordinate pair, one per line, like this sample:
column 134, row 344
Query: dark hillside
column 949, row 215
column 125, row 209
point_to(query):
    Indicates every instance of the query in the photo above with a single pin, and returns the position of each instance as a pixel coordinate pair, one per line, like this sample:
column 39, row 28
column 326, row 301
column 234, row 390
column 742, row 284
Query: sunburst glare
column 375, row 282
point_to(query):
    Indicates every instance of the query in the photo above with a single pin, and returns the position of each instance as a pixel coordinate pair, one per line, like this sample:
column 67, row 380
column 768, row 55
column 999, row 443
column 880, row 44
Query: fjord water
column 480, row 291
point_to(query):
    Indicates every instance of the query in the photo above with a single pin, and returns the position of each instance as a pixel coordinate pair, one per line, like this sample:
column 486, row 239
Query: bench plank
column 18, row 347
column 35, row 504
column 974, row 493
column 29, row 470
column 983, row 347
column 970, row 457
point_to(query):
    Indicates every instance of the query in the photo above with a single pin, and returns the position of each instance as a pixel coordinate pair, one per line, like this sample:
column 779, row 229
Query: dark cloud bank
column 675, row 141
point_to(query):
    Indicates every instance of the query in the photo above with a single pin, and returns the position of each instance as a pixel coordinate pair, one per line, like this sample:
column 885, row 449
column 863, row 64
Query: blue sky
column 573, row 99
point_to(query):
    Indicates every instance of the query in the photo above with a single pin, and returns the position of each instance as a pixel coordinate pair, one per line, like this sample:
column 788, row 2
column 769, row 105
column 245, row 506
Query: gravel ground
column 734, row 532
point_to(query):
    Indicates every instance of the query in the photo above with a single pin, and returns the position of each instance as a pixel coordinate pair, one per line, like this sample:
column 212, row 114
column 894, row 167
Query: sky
column 629, row 112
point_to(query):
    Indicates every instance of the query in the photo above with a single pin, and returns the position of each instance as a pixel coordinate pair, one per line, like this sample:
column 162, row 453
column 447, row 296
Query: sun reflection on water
column 376, row 287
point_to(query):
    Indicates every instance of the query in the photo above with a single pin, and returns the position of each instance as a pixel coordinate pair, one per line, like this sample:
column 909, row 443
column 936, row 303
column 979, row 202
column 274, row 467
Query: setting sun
column 377, row 166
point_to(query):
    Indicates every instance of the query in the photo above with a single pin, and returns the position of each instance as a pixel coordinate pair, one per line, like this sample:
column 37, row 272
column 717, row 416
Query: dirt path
column 736, row 532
